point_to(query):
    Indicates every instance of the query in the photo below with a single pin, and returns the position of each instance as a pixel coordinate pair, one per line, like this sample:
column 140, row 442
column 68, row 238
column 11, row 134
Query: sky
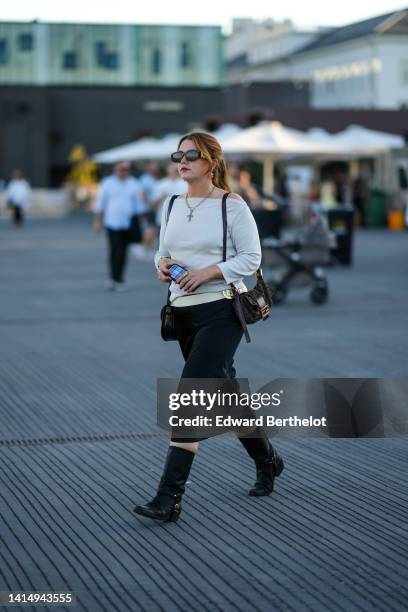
column 208, row 12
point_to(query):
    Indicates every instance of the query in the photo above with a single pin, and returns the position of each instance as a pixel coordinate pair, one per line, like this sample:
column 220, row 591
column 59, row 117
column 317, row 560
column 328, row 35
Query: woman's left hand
column 193, row 279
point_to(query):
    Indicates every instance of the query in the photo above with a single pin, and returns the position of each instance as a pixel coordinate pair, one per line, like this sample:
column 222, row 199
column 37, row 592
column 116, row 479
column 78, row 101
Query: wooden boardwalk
column 79, row 447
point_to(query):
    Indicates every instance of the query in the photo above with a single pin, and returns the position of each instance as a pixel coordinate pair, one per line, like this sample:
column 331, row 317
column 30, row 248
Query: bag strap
column 224, row 226
column 237, row 300
column 170, row 206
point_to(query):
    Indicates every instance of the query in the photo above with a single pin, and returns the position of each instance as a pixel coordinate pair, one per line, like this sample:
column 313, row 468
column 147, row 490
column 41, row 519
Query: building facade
column 48, row 54
column 361, row 65
column 63, row 84
column 254, row 46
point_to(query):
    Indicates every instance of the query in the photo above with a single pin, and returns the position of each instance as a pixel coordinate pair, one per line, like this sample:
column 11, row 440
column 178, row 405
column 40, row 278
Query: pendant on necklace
column 190, row 216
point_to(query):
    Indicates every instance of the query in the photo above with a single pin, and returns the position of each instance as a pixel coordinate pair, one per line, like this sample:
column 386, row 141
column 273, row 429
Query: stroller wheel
column 319, row 294
column 279, row 293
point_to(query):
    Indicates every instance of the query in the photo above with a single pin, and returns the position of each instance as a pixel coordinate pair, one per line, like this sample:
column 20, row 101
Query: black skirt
column 209, row 335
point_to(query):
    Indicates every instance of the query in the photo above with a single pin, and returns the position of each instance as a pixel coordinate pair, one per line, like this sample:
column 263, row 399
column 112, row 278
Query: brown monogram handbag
column 253, row 305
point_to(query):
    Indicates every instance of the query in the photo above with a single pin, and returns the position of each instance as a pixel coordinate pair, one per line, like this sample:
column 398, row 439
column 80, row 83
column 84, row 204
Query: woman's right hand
column 163, row 268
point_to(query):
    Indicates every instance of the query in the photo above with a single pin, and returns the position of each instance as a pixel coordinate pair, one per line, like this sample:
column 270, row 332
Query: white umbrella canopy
column 169, row 143
column 226, row 131
column 155, row 148
column 143, row 149
column 357, row 138
column 273, row 139
column 270, row 140
column 320, row 133
column 125, row 152
column 163, row 148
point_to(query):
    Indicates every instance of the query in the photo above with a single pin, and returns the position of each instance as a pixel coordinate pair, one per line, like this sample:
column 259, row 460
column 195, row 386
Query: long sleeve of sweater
column 162, row 251
column 245, row 239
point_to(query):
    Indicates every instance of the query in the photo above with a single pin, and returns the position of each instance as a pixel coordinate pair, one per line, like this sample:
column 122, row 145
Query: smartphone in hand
column 177, row 272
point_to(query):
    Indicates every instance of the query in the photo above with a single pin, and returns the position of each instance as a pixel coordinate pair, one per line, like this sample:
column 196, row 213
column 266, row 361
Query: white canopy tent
column 154, row 148
column 358, row 142
column 123, row 152
column 267, row 141
column 270, row 140
column 145, row 148
column 225, row 132
column 359, row 139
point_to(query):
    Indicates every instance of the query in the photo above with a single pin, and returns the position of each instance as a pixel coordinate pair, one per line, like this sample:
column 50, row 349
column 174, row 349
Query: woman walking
column 208, row 329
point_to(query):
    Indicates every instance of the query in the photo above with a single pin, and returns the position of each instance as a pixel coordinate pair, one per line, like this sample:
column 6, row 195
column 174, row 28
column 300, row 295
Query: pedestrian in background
column 233, row 173
column 18, row 197
column 148, row 182
column 327, row 194
column 297, row 200
column 119, row 199
column 169, row 185
column 248, row 190
column 360, row 192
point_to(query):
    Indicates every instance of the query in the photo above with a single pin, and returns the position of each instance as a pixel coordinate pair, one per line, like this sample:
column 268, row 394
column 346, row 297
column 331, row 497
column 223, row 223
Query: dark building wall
column 40, row 125
column 24, row 127
column 101, row 118
column 260, row 96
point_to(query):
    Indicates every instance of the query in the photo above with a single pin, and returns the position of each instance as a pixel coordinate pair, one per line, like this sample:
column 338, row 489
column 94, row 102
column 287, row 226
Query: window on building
column 112, row 61
column 26, row 41
column 100, row 52
column 185, row 55
column 70, row 60
column 156, row 61
column 105, row 58
column 3, row 51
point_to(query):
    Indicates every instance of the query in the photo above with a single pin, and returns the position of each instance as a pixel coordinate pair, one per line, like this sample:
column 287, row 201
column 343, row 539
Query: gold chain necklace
column 192, row 208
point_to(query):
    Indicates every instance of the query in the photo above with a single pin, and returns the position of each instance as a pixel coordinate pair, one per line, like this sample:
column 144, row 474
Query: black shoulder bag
column 253, row 305
column 168, row 323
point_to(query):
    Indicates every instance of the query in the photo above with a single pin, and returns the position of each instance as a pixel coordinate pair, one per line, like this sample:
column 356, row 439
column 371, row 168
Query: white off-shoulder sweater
column 198, row 243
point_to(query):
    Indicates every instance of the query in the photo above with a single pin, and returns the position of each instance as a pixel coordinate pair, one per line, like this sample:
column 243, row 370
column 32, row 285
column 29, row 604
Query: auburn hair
column 210, row 150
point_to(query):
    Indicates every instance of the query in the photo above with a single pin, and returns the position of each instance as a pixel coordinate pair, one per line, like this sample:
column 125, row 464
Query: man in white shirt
column 18, row 197
column 172, row 184
column 119, row 199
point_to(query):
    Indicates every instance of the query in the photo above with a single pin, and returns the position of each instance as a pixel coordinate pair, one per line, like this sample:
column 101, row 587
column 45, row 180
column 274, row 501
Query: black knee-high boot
column 268, row 462
column 166, row 505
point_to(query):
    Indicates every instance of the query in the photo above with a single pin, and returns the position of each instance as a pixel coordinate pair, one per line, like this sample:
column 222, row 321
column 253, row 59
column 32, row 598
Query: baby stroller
column 295, row 261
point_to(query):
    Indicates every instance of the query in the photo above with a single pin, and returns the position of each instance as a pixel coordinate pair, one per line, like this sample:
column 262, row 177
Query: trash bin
column 376, row 215
column 269, row 222
column 341, row 222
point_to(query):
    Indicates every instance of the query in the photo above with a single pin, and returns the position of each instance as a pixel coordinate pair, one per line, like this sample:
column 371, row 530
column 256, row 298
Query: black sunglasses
column 190, row 155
